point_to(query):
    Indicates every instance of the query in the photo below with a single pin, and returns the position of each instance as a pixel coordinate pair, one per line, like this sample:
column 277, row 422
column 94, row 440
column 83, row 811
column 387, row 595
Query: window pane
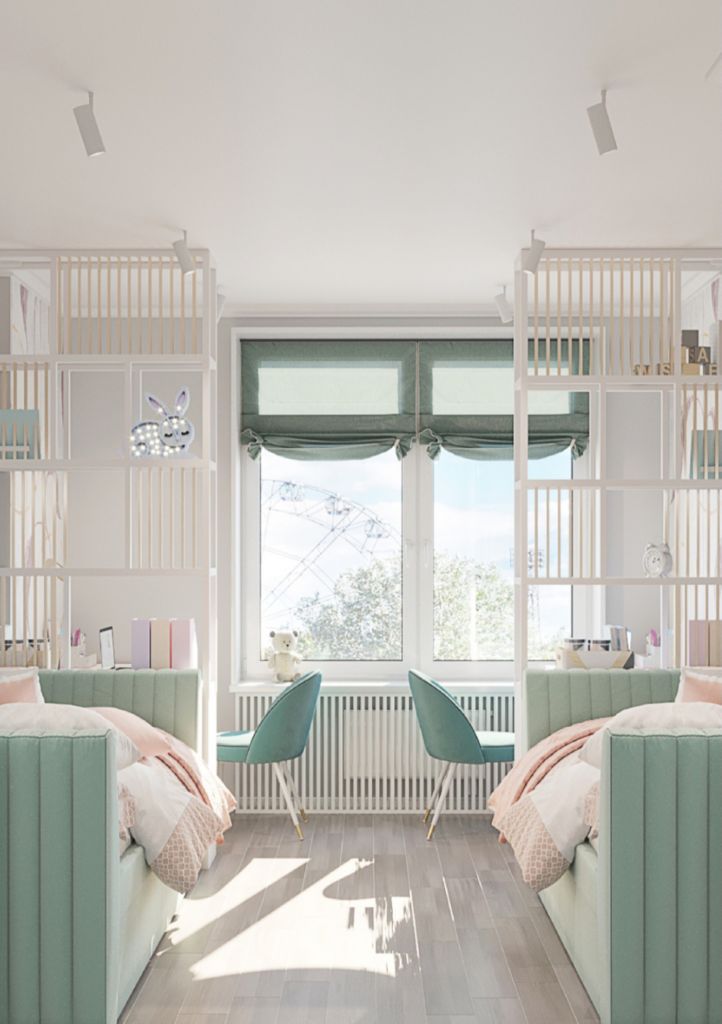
column 474, row 563
column 331, row 556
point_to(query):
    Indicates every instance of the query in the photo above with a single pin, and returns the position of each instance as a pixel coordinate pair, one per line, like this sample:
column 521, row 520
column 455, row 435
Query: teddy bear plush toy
column 283, row 656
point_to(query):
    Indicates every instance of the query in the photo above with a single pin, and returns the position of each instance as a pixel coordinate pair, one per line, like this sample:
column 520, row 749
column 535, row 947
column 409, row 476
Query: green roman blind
column 466, row 403
column 328, row 399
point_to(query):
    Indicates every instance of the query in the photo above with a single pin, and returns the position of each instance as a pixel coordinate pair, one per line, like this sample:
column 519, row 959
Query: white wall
column 634, row 518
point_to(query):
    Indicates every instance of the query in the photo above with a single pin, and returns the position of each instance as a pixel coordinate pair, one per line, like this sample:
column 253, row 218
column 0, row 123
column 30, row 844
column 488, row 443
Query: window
column 330, row 550
column 384, row 553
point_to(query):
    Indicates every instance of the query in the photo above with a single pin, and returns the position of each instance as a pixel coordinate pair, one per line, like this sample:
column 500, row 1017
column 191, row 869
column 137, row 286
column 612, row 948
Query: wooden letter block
column 701, row 354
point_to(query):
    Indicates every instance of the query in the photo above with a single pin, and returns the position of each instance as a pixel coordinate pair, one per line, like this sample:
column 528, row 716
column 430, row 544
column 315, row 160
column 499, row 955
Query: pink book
column 698, row 652
column 183, row 644
column 140, row 643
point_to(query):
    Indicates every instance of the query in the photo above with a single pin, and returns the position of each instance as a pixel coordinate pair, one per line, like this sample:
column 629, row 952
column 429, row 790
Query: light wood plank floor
column 363, row 923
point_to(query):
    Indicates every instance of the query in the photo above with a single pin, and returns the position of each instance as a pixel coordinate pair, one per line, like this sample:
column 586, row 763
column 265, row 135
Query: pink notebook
column 183, row 643
column 140, row 643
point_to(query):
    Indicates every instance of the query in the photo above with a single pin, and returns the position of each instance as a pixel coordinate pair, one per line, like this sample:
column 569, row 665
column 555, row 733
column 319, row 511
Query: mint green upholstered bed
column 642, row 918
column 78, row 923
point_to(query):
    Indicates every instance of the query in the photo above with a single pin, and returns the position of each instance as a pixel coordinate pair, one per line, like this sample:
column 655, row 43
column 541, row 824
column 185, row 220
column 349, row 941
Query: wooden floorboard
column 365, row 922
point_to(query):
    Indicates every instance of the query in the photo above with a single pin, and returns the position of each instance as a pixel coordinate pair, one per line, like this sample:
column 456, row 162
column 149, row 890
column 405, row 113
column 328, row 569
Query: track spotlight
column 532, row 257
column 602, row 126
column 88, row 127
column 184, row 256
column 503, row 306
column 220, row 303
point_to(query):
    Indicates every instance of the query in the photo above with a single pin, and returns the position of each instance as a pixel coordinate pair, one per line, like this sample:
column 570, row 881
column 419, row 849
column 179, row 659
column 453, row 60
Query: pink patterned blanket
column 547, row 804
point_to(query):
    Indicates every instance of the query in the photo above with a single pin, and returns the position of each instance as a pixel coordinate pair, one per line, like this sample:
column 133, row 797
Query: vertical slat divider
column 570, row 300
column 183, row 311
column 183, row 473
column 547, row 524
column 641, row 311
column 559, row 317
column 194, row 311
column 108, row 306
column 138, row 304
column 67, row 265
column 128, row 305
column 194, row 514
column 171, row 289
column 591, row 319
column 161, row 311
column 547, row 321
column 632, row 341
column 149, row 275
column 116, row 334
column 536, row 325
column 99, row 303
column 559, row 531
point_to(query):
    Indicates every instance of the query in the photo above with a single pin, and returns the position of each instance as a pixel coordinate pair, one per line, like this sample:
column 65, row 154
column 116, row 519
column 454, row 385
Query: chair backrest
column 447, row 733
column 283, row 731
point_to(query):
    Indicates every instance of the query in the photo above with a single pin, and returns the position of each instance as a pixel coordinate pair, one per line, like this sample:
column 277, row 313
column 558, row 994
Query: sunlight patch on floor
column 252, row 880
column 312, row 930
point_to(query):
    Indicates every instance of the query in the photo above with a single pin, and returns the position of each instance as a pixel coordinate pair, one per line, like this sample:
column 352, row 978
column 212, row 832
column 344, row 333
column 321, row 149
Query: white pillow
column 64, row 720
column 16, row 673
column 673, row 719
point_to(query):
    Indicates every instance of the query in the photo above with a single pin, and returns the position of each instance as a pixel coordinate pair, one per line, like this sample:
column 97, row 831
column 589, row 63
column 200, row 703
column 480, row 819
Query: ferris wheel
column 340, row 521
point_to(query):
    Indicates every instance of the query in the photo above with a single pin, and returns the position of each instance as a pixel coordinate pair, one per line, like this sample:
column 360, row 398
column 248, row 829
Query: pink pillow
column 21, row 687
column 699, row 687
column 150, row 741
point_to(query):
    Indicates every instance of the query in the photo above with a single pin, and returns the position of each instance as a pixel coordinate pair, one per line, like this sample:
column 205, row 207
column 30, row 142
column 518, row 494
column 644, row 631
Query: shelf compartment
column 122, row 304
column 167, row 517
column 563, row 533
column 614, row 314
column 32, row 610
column 24, row 410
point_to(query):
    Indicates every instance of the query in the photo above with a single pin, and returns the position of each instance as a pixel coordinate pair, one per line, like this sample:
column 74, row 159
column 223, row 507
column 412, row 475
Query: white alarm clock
column 657, row 560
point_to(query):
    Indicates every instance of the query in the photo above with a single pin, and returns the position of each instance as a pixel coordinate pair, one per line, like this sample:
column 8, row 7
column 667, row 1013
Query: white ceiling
column 360, row 154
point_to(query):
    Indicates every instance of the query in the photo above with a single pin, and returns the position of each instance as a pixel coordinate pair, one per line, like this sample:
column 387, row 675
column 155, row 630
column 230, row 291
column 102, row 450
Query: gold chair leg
column 299, row 833
column 430, row 832
column 427, row 812
column 304, row 816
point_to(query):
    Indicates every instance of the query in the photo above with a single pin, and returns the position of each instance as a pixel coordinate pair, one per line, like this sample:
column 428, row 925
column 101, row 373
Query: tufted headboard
column 168, row 699
column 562, row 697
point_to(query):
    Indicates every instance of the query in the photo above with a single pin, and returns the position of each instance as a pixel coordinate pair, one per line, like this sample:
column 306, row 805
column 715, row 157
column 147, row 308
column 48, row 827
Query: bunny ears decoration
column 172, row 435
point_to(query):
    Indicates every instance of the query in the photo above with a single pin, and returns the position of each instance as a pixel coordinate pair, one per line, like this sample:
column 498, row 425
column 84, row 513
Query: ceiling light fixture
column 88, row 127
column 503, row 306
column 184, row 255
column 531, row 258
column 602, row 126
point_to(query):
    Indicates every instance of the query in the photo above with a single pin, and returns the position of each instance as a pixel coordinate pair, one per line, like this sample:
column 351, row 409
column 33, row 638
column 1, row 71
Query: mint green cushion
column 497, row 746
column 233, row 746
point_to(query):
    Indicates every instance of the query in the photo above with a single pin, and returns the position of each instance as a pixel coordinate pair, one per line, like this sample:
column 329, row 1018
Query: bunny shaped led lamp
column 171, row 435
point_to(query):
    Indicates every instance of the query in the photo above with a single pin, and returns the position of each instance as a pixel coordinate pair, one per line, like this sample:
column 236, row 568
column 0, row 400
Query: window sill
column 252, row 687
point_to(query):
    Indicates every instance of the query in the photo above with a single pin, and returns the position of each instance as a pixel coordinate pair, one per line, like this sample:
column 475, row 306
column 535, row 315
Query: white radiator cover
column 365, row 754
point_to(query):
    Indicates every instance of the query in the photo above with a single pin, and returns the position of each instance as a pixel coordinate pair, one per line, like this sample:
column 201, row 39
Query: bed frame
column 642, row 919
column 78, row 923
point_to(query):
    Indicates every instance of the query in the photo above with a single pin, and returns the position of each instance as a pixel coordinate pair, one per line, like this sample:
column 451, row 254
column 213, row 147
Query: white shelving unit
column 132, row 317
column 618, row 317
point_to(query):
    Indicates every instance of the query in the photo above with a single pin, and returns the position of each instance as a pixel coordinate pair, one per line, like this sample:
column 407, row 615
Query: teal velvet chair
column 280, row 736
column 449, row 736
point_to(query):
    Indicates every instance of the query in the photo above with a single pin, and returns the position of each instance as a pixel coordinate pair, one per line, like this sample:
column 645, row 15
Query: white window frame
column 417, row 497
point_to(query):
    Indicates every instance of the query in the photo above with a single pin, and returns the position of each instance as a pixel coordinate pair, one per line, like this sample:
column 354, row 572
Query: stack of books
column 163, row 643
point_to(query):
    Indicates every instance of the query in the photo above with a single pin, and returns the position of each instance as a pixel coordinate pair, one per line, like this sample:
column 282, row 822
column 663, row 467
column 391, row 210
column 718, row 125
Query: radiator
column 365, row 754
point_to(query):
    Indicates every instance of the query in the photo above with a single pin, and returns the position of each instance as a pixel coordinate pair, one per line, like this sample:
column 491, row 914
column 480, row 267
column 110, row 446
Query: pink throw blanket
column 536, row 764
